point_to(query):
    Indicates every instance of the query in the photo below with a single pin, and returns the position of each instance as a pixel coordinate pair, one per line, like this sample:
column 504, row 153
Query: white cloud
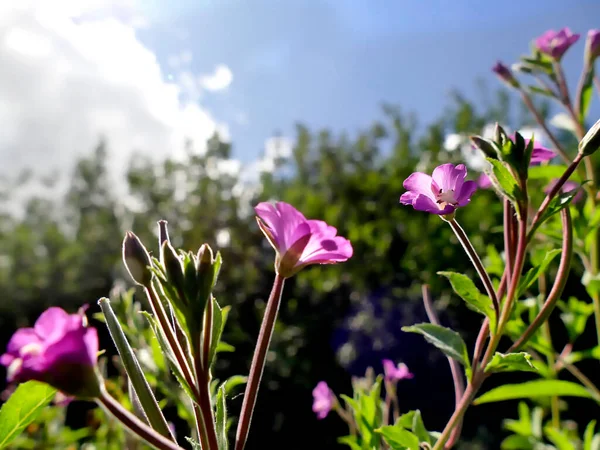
column 219, row 80
column 74, row 71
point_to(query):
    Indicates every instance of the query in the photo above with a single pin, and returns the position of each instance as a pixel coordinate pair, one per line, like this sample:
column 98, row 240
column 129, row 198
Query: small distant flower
column 442, row 192
column 483, row 182
column 300, row 242
column 505, row 74
column 59, row 350
column 395, row 372
column 540, row 154
column 567, row 187
column 592, row 46
column 556, row 43
column 323, row 400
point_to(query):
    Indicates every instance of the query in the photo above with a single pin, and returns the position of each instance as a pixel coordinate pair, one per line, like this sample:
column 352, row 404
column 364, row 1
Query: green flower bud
column 591, row 141
column 137, row 260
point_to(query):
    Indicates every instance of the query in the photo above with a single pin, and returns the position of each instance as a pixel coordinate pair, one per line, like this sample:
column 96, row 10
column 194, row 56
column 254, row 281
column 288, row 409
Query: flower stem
column 135, row 425
column 457, row 416
column 459, row 386
column 258, row 362
column 559, row 283
column 479, row 267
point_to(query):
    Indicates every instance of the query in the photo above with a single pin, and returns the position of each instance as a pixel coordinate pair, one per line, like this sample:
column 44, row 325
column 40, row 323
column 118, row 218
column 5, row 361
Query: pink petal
column 52, row 324
column 448, row 177
column 269, row 215
column 21, row 338
column 291, row 218
column 408, row 197
column 464, row 197
column 418, row 183
column 424, row 203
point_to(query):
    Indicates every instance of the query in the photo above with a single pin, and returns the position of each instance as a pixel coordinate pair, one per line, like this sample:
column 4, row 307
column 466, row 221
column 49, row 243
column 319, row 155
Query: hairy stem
column 258, row 362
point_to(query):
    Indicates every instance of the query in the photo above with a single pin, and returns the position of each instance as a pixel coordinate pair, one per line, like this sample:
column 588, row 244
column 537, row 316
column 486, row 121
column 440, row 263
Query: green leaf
column 466, row 289
column 516, row 442
column 219, row 319
column 232, row 382
column 534, row 389
column 558, row 203
column 406, row 420
column 221, row 419
column 195, row 445
column 510, row 362
column 588, row 436
column 350, row 441
column 548, row 173
column 140, row 385
column 22, row 408
column 418, row 428
column 559, row 438
column 539, row 90
column 398, row 438
column 447, row 340
column 587, row 89
column 534, row 273
column 575, row 314
column 503, row 180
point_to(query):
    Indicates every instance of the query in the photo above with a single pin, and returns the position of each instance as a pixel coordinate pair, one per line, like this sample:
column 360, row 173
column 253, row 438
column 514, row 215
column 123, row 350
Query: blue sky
column 331, row 63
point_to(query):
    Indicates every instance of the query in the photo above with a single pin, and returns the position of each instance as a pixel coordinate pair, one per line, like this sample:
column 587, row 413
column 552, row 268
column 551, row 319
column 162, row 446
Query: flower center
column 33, row 348
column 445, row 198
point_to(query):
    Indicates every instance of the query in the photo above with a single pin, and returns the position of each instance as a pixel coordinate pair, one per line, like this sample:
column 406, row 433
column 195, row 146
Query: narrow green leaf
column 539, row 90
column 558, row 203
column 232, row 382
column 140, row 385
column 516, row 442
column 503, row 180
column 534, row 389
column 221, row 419
column 406, row 420
column 22, row 408
column 466, row 289
column 510, row 362
column 164, row 345
column 447, row 340
column 350, row 441
column 587, row 89
column 575, row 314
column 534, row 273
column 588, row 436
column 398, row 438
column 219, row 319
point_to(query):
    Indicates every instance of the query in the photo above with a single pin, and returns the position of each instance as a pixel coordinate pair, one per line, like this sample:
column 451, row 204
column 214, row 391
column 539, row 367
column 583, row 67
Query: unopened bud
column 505, row 74
column 137, row 260
column 172, row 265
column 591, row 141
column 592, row 47
column 205, row 273
column 485, row 146
column 163, row 233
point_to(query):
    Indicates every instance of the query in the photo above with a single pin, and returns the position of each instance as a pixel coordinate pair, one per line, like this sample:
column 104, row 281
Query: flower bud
column 137, row 260
column 592, row 47
column 163, row 233
column 205, row 273
column 173, row 268
column 591, row 141
column 505, row 74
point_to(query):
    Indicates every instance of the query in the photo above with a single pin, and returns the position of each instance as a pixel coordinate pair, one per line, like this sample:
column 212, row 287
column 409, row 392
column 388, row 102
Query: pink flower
column 483, row 182
column 556, row 43
column 394, row 372
column 440, row 193
column 567, row 187
column 300, row 242
column 323, row 400
column 592, row 46
column 59, row 350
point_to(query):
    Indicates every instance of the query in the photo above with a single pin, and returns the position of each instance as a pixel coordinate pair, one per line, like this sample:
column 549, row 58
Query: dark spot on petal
column 329, row 245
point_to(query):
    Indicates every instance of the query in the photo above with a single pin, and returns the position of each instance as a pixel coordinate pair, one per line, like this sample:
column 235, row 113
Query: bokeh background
column 115, row 114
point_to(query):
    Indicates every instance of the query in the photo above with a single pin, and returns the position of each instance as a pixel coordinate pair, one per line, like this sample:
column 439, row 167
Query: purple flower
column 567, row 187
column 300, row 242
column 504, row 73
column 539, row 154
column 59, row 350
column 592, row 46
column 483, row 182
column 440, row 193
column 556, row 43
column 395, row 372
column 323, row 400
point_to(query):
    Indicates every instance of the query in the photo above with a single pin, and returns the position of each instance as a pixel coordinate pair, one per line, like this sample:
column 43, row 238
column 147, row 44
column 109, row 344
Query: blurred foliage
column 335, row 320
